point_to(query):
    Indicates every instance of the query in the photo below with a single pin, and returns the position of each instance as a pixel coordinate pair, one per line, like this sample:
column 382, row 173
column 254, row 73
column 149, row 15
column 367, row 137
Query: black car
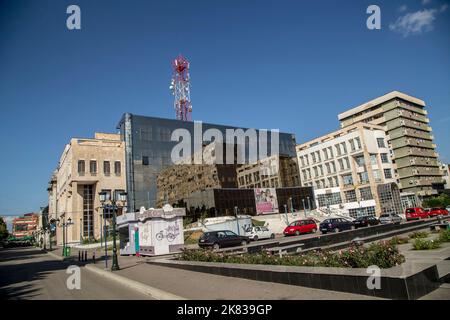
column 366, row 221
column 222, row 239
column 336, row 225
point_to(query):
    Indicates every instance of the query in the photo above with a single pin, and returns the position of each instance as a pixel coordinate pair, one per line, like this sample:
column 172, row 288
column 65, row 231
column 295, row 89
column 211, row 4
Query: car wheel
column 216, row 246
column 297, row 233
column 336, row 230
column 255, row 238
column 272, row 236
column 244, row 243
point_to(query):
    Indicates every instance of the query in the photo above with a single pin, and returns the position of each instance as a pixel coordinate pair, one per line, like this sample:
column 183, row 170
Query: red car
column 300, row 226
column 415, row 214
column 434, row 212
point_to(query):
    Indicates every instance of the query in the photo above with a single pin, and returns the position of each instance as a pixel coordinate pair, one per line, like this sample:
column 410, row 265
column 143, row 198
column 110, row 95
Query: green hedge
column 382, row 254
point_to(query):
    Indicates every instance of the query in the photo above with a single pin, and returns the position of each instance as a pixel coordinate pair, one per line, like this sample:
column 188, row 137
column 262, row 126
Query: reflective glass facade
column 148, row 148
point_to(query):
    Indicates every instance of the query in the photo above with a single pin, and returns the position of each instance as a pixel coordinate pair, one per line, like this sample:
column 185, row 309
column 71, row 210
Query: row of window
column 93, row 167
column 340, row 148
column 347, row 179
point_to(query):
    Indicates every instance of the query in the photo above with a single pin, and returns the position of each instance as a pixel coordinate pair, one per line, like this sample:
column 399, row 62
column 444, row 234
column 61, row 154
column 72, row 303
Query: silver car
column 390, row 218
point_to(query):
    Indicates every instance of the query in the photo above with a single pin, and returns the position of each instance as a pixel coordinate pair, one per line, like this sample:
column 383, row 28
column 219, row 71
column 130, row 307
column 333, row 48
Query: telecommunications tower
column 181, row 88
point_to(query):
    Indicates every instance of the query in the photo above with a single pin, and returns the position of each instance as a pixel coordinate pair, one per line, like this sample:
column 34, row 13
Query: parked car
column 366, row 221
column 390, row 218
column 434, row 212
column 300, row 226
column 415, row 213
column 258, row 233
column 222, row 239
column 336, row 225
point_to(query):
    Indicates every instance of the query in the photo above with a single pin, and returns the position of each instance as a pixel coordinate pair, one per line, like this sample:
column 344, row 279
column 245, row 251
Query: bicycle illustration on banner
column 170, row 233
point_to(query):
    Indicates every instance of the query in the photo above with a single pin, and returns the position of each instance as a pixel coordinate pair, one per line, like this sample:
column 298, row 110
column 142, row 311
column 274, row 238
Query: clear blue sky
column 292, row 65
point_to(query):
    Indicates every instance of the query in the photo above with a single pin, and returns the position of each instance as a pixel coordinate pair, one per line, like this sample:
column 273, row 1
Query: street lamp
column 285, row 214
column 112, row 198
column 236, row 210
column 304, row 208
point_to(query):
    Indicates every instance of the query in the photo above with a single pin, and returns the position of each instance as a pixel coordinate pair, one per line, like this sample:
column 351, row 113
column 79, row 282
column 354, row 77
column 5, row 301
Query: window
column 384, row 158
column 81, row 167
column 358, row 143
column 347, row 163
column 388, row 173
column 313, row 156
column 93, row 166
column 344, row 147
column 338, row 149
column 330, row 149
column 341, row 164
column 328, row 168
column 333, row 165
column 352, row 145
column 348, row 180
column 106, row 168
column 361, row 212
column 350, row 196
column 360, row 161
column 377, row 175
column 327, row 199
column 88, row 210
column 117, row 168
column 373, row 159
column 366, row 193
column 380, row 142
column 145, row 161
column 363, row 177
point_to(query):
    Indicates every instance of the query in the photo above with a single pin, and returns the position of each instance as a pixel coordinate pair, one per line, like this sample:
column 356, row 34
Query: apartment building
column 351, row 171
column 276, row 171
column 410, row 139
column 86, row 167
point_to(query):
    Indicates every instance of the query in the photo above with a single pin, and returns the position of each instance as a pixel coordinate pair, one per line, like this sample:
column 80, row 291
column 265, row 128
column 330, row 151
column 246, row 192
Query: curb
column 140, row 287
column 55, row 256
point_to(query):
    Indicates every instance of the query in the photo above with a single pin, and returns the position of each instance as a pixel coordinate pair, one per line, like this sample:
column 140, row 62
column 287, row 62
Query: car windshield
column 384, row 216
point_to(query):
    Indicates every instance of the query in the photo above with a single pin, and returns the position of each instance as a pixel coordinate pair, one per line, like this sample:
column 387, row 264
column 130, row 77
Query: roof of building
column 379, row 100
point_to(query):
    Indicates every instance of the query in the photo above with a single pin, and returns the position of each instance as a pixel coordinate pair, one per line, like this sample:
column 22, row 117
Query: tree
column 3, row 229
column 443, row 200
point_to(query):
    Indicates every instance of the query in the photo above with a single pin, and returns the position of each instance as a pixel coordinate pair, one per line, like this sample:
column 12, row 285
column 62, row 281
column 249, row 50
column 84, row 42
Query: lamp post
column 113, row 198
column 309, row 204
column 66, row 226
column 236, row 210
column 286, row 214
column 304, row 208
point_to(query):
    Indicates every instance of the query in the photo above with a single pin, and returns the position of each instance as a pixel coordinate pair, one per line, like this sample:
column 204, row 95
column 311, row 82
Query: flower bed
column 382, row 254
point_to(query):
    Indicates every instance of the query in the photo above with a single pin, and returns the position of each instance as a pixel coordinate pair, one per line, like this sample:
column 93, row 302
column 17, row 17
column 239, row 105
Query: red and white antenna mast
column 180, row 86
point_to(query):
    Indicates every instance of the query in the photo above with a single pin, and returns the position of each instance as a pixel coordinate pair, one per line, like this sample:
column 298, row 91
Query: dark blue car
column 336, row 225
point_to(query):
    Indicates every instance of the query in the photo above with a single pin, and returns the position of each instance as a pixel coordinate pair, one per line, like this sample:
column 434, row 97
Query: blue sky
column 292, row 65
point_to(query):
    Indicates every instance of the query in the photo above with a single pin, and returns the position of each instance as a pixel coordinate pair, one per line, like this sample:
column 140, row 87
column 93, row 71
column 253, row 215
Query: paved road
column 27, row 273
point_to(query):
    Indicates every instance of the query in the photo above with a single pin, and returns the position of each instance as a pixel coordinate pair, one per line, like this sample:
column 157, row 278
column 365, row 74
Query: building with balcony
column 25, row 226
column 86, row 167
column 351, row 170
column 409, row 139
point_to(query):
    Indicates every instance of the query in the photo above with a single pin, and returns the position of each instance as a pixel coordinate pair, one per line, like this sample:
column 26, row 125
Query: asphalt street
column 28, row 273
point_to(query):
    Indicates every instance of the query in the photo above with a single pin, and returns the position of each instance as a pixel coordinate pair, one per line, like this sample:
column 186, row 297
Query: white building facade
column 350, row 170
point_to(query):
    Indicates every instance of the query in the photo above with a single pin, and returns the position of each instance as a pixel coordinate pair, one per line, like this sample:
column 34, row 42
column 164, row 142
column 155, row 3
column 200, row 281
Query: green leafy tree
column 3, row 229
column 443, row 200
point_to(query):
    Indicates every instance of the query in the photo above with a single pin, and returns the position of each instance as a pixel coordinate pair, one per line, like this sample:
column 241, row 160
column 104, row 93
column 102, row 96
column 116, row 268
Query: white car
column 390, row 218
column 258, row 233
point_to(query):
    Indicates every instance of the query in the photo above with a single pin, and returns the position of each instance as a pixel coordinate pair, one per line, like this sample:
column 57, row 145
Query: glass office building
column 148, row 148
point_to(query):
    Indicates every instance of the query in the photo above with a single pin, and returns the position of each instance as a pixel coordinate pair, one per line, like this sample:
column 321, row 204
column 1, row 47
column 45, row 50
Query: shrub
column 398, row 240
column 418, row 235
column 444, row 235
column 383, row 254
column 421, row 244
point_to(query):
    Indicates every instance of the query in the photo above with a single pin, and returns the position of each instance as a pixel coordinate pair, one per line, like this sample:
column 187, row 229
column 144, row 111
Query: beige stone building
column 351, row 171
column 86, row 167
column 276, row 171
column 410, row 139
